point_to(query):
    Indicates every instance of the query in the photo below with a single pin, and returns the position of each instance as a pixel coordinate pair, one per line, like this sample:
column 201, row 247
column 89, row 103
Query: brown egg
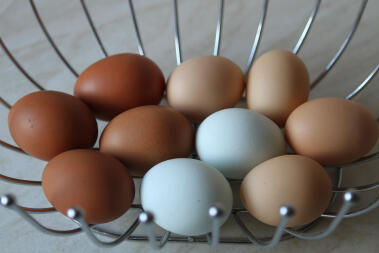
column 332, row 130
column 118, row 83
column 203, row 85
column 145, row 136
column 93, row 181
column 293, row 180
column 277, row 83
column 47, row 123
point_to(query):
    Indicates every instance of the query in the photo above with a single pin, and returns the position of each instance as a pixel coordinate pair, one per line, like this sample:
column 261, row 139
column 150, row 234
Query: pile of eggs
column 155, row 142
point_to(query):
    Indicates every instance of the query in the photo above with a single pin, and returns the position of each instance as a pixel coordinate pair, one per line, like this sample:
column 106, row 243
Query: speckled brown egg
column 47, row 123
column 332, row 130
column 293, row 180
column 203, row 85
column 118, row 83
column 277, row 83
column 97, row 183
column 145, row 136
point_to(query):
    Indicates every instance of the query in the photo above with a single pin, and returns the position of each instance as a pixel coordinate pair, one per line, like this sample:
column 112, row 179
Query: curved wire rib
column 350, row 200
column 356, row 213
column 5, row 103
column 12, row 147
column 37, row 209
column 307, row 28
column 286, row 213
column 364, row 159
column 141, row 49
column 344, row 45
column 93, row 28
column 147, row 219
column 77, row 215
column 339, row 184
column 360, row 188
column 216, row 50
column 258, row 36
column 178, row 50
column 364, row 84
column 20, row 68
column 10, row 202
column 49, row 38
column 20, row 181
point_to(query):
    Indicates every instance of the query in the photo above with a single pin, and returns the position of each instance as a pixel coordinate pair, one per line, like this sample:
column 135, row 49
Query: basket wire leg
column 147, row 218
column 215, row 213
column 344, row 45
column 9, row 201
column 50, row 39
column 364, row 84
column 216, row 50
column 93, row 28
column 19, row 67
column 356, row 213
column 77, row 215
column 307, row 28
column 350, row 199
column 286, row 213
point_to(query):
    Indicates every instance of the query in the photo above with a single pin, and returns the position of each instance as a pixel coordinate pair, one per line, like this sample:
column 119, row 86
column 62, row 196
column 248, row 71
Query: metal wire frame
column 343, row 47
column 6, row 201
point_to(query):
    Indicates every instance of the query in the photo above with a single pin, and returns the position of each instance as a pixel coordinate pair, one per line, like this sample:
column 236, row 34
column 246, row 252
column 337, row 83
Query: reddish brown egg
column 93, row 181
column 118, row 83
column 47, row 123
column 145, row 136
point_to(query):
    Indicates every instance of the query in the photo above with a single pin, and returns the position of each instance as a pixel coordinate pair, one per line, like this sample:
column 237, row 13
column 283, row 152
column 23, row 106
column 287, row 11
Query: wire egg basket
column 215, row 237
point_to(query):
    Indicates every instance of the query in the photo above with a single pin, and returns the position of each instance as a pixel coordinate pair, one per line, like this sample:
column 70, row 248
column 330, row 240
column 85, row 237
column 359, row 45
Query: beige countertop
column 68, row 26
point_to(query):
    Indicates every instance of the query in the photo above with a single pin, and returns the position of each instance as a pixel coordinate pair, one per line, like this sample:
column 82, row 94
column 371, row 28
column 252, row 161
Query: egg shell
column 93, row 181
column 277, row 83
column 145, row 136
column 179, row 193
column 293, row 180
column 235, row 140
column 47, row 123
column 332, row 130
column 118, row 83
column 203, row 85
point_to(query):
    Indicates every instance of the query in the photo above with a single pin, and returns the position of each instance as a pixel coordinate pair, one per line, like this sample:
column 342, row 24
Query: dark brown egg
column 47, row 123
column 145, row 136
column 118, row 83
column 93, row 181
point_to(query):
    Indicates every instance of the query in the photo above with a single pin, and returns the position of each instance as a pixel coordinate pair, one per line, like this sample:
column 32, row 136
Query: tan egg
column 203, row 85
column 47, row 123
column 145, row 136
column 332, row 130
column 293, row 180
column 93, row 181
column 277, row 83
